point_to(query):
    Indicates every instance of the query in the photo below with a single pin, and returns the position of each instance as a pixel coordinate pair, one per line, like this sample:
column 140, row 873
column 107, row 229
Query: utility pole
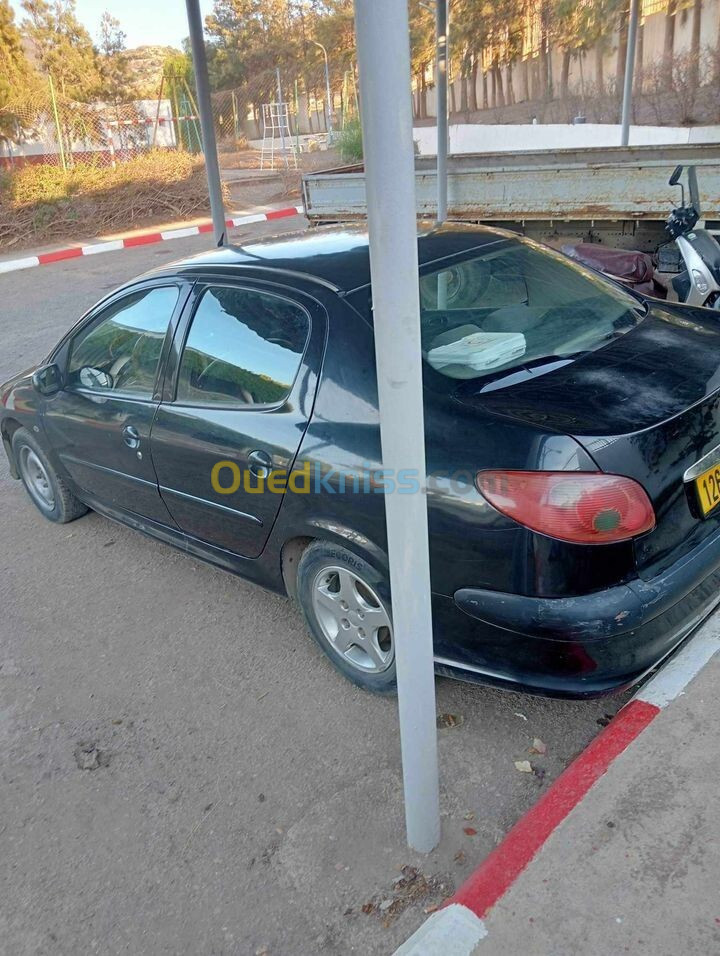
column 212, row 170
column 383, row 46
column 328, row 94
column 629, row 70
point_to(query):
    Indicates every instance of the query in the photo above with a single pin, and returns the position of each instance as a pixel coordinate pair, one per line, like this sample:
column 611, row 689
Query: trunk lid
column 646, row 406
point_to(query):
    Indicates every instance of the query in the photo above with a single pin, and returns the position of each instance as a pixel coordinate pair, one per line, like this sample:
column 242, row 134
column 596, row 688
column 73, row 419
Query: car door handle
column 259, row 463
column 131, row 436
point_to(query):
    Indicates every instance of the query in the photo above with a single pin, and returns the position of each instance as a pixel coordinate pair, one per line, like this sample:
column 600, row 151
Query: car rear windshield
column 516, row 305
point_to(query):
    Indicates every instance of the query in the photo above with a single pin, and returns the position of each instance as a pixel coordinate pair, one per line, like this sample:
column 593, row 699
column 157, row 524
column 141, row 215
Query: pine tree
column 17, row 77
column 14, row 67
column 116, row 79
column 63, row 46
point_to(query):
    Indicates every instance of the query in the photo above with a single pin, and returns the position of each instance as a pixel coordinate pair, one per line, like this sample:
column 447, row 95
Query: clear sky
column 156, row 22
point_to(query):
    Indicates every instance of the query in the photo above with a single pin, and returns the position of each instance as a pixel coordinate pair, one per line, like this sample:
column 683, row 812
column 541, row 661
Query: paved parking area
column 238, row 796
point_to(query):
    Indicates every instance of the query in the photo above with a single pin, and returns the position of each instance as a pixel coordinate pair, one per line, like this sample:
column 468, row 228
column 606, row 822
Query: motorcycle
column 688, row 263
column 697, row 281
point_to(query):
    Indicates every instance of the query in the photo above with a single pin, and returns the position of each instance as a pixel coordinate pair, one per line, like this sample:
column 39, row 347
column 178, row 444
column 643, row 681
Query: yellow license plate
column 708, row 489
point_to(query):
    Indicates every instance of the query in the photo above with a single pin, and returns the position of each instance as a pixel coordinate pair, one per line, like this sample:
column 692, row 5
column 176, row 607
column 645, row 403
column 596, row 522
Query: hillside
column 147, row 63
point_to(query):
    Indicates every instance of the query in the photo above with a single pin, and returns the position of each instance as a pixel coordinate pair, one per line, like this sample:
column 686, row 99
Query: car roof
column 335, row 256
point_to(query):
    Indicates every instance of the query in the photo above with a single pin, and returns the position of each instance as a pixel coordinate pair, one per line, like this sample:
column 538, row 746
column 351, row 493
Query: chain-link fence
column 274, row 119
column 47, row 129
column 44, row 127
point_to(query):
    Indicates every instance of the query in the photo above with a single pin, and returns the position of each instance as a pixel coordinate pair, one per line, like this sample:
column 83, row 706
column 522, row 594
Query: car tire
column 47, row 490
column 346, row 603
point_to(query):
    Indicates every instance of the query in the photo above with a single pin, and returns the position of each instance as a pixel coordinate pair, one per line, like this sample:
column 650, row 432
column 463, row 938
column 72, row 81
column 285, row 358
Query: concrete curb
column 456, row 929
column 142, row 239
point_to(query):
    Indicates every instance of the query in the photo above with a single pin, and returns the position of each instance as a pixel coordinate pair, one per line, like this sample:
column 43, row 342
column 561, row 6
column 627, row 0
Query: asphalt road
column 181, row 770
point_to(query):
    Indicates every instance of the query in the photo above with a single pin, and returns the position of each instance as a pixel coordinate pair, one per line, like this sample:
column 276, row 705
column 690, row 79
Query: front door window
column 100, row 422
column 121, row 352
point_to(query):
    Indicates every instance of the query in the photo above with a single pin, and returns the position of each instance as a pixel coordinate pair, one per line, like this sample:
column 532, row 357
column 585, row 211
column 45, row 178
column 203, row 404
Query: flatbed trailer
column 617, row 195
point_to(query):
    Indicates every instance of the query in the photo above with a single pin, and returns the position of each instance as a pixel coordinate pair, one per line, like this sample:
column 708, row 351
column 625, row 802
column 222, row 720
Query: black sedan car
column 227, row 404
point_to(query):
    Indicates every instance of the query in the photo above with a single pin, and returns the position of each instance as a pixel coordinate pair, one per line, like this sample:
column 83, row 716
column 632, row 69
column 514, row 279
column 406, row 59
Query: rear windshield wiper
column 519, row 373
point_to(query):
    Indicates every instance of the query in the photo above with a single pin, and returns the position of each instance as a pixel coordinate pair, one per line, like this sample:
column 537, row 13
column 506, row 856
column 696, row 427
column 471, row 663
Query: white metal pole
column 629, row 71
column 442, row 113
column 441, row 62
column 212, row 170
column 328, row 95
column 384, row 62
column 281, row 114
column 329, row 98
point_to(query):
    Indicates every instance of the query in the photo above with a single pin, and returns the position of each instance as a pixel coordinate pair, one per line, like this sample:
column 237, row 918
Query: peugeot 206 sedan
column 227, row 405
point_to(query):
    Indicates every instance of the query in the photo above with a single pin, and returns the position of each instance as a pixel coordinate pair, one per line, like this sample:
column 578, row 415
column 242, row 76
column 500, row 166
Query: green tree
column 468, row 37
column 595, row 24
column 422, row 51
column 332, row 23
column 116, row 79
column 63, row 46
column 248, row 40
column 17, row 77
column 504, row 27
column 178, row 86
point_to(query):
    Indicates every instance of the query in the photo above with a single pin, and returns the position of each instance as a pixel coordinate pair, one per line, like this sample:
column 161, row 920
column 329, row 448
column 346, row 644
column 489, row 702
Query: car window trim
column 182, row 332
column 95, row 315
column 94, row 311
column 107, row 394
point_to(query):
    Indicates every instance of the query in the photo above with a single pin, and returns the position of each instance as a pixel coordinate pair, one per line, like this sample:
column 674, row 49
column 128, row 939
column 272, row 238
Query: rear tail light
column 584, row 507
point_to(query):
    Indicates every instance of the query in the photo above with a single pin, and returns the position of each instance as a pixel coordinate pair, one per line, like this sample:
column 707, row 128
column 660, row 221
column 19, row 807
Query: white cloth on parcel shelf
column 477, row 350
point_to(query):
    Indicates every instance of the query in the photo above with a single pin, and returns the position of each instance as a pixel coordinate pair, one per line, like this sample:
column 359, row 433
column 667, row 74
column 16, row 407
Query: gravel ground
column 181, row 769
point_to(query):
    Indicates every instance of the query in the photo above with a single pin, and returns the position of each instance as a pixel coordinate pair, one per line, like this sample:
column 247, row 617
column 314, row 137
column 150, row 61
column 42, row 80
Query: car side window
column 121, row 351
column 243, row 348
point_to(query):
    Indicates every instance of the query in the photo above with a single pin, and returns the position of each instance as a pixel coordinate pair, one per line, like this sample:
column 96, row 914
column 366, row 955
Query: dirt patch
column 46, row 203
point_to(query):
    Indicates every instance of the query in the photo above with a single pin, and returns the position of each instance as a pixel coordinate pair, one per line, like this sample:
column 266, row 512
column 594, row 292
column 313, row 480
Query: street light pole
column 629, row 71
column 328, row 95
column 383, row 47
column 212, row 170
column 441, row 107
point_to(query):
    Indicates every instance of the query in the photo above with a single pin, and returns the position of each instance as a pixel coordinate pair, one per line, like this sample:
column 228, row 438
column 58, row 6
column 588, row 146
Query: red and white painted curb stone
column 457, row 929
column 142, row 239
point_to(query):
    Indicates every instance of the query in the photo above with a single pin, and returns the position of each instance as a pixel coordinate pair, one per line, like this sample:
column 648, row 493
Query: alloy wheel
column 353, row 620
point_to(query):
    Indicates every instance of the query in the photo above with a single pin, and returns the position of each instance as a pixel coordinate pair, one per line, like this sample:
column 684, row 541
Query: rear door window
column 244, row 348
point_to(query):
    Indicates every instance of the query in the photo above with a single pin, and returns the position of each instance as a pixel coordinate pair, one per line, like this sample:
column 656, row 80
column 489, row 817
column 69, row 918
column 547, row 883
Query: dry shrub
column 232, row 144
column 241, row 158
column 46, row 202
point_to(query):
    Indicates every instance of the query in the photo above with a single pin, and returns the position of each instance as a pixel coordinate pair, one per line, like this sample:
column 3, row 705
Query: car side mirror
column 675, row 178
column 47, row 379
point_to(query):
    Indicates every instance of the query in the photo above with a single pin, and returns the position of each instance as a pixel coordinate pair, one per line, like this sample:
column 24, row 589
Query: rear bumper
column 581, row 646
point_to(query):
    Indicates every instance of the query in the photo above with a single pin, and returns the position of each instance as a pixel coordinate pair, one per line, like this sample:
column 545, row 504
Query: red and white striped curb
column 142, row 239
column 457, row 929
